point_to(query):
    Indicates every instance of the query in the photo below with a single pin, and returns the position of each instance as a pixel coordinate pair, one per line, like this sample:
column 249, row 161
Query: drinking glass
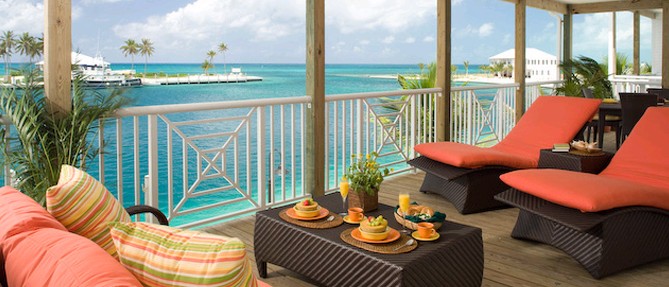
column 404, row 208
column 343, row 191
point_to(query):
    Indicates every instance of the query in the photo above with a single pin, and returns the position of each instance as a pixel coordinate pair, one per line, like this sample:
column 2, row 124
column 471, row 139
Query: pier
column 200, row 79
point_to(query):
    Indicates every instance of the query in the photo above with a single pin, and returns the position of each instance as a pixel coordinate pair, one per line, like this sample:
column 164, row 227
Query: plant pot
column 363, row 200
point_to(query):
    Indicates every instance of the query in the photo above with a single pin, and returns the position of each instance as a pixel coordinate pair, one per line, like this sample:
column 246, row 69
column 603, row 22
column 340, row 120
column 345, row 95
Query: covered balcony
column 212, row 166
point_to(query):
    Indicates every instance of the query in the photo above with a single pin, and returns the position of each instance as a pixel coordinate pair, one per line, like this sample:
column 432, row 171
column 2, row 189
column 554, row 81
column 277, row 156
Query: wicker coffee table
column 455, row 259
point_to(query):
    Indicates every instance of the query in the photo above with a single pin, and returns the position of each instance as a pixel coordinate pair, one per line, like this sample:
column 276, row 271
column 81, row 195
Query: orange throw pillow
column 20, row 213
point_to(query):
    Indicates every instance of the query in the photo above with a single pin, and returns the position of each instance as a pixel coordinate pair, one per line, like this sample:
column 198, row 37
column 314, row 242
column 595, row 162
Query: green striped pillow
column 85, row 206
column 164, row 256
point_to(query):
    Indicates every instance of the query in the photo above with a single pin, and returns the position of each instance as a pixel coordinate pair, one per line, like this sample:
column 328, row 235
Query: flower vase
column 363, row 200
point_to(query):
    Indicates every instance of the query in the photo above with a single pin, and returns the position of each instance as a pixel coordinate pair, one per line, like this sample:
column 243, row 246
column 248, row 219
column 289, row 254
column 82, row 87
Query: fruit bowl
column 366, row 227
column 375, row 235
column 307, row 213
column 410, row 224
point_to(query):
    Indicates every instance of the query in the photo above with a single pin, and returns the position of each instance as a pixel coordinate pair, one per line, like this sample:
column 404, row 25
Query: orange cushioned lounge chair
column 608, row 222
column 468, row 175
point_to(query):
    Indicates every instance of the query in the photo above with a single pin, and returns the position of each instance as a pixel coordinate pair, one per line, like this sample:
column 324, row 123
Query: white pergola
column 58, row 39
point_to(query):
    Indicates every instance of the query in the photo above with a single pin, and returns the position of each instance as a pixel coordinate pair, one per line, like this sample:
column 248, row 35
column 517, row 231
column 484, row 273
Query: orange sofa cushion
column 642, row 157
column 584, row 191
column 550, row 120
column 52, row 257
column 20, row 213
column 469, row 156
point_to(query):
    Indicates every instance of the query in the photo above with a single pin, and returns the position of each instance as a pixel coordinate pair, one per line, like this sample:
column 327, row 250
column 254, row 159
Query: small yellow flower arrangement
column 364, row 174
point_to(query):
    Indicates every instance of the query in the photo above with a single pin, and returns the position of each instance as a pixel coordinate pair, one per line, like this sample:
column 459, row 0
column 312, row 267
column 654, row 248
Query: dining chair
column 633, row 106
column 663, row 94
column 615, row 122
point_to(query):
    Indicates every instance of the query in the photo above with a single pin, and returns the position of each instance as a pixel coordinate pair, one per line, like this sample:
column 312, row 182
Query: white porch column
column 612, row 46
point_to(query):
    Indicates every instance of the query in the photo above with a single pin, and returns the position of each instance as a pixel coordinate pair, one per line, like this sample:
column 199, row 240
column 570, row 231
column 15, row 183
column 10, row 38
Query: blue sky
column 357, row 31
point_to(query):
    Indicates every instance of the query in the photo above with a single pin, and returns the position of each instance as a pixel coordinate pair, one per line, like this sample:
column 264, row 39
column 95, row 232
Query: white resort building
column 540, row 66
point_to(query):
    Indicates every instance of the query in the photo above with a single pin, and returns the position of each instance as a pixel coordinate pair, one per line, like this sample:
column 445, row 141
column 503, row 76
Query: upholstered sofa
column 38, row 250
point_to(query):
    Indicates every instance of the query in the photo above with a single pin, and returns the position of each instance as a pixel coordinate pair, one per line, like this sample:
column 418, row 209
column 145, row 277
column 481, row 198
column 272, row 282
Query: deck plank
column 508, row 262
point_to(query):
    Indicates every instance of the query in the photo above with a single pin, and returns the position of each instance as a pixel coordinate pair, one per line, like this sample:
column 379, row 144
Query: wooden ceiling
column 646, row 8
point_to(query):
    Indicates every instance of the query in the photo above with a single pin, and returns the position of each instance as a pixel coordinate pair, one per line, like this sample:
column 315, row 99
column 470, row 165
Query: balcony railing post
column 260, row 142
column 359, row 126
column 151, row 196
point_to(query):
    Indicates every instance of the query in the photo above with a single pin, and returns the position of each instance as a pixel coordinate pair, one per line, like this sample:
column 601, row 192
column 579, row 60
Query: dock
column 200, row 79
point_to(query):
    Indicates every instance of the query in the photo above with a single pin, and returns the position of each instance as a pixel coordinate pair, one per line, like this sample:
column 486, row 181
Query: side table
column 570, row 161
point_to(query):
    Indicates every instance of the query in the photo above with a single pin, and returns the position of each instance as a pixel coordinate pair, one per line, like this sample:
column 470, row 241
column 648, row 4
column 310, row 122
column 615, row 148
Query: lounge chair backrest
column 644, row 157
column 550, row 120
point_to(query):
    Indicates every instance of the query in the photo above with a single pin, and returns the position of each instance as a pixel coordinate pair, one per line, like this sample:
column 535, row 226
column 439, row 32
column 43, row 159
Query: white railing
column 205, row 162
column 388, row 123
column 484, row 115
column 634, row 84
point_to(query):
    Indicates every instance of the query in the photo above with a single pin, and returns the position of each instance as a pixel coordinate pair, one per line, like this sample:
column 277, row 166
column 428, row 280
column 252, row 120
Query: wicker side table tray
column 455, row 259
column 569, row 161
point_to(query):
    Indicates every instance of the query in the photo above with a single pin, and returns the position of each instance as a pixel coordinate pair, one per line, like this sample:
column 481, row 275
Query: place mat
column 316, row 224
column 383, row 248
column 585, row 153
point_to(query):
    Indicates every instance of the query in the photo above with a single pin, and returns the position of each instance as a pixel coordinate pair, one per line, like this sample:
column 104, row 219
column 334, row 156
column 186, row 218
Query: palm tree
column 497, row 68
column 146, row 49
column 584, row 72
column 7, row 43
column 485, row 68
column 623, row 67
column 130, row 48
column 206, row 66
column 24, row 44
column 222, row 47
column 466, row 64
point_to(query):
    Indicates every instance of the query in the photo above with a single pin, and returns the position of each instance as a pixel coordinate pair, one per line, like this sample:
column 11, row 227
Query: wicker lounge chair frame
column 471, row 187
column 469, row 190
column 604, row 242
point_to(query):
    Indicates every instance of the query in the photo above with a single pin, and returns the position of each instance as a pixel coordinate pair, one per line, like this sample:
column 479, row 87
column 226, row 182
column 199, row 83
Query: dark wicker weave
column 470, row 190
column 603, row 242
column 568, row 161
column 455, row 259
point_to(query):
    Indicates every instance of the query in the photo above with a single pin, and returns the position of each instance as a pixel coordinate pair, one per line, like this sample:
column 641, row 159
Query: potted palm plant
column 42, row 141
column 365, row 177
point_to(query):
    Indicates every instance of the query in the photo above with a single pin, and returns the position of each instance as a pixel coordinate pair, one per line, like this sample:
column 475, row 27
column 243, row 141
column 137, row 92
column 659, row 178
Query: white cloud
column 392, row 15
column 428, row 39
column 486, row 29
column 89, row 2
column 388, row 40
column 410, row 40
column 456, row 2
column 364, row 42
column 22, row 16
column 263, row 20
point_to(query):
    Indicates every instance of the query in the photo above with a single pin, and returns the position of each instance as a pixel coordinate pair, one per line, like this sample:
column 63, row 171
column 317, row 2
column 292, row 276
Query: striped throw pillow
column 85, row 206
column 164, row 256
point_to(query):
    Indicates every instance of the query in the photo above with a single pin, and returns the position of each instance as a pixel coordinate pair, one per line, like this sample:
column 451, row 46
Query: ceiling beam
column 611, row 6
column 548, row 5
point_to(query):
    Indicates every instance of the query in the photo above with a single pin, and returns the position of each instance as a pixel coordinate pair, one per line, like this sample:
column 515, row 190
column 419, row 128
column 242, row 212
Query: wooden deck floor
column 508, row 262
